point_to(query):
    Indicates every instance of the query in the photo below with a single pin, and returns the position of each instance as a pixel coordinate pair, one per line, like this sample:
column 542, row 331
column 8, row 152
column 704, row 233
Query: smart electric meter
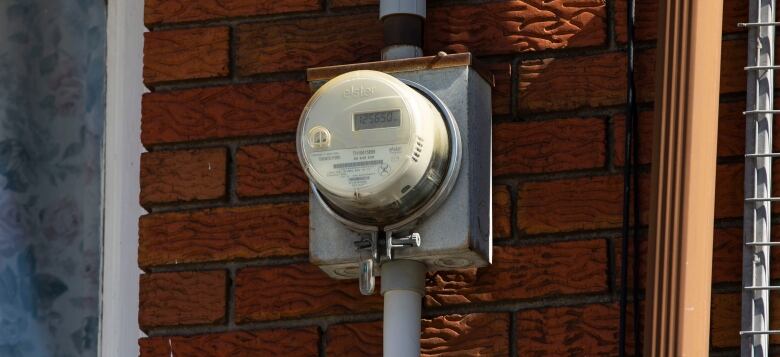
column 375, row 149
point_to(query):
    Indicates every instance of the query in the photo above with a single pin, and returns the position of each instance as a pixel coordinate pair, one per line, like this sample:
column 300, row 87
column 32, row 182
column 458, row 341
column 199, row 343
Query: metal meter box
column 458, row 232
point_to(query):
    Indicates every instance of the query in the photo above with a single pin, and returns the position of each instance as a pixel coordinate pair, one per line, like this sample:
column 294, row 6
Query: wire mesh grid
column 758, row 180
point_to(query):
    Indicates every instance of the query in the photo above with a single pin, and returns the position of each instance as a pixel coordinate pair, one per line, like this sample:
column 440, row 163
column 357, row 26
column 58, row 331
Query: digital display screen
column 377, row 120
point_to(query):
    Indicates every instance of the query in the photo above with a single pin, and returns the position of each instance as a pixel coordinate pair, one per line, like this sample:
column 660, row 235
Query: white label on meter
column 358, row 167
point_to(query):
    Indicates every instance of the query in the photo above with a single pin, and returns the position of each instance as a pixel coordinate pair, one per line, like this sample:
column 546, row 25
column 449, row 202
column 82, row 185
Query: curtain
column 52, row 112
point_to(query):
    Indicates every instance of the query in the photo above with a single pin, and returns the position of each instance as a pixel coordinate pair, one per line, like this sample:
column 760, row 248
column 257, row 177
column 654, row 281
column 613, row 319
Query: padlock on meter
column 377, row 151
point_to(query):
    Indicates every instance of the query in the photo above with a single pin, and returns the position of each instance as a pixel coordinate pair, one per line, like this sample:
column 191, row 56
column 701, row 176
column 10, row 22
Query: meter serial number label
column 357, row 168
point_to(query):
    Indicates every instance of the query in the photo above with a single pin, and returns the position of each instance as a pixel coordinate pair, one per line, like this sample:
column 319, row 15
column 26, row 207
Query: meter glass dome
column 374, row 148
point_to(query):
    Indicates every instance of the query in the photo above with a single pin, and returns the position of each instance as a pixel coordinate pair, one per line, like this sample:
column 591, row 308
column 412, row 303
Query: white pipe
column 394, row 7
column 401, row 51
column 403, row 286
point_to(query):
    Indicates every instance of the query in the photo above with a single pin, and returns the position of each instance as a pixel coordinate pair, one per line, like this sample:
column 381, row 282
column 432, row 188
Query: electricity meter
column 375, row 149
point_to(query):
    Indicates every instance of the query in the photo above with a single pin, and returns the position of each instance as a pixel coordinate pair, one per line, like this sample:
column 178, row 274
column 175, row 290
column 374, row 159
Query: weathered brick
column 294, row 291
column 168, row 11
column 186, row 54
column 182, row 298
column 571, row 83
column 731, row 133
column 589, row 330
column 451, row 335
column 725, row 319
column 269, row 169
column 280, row 342
column 618, row 246
column 729, row 182
column 525, row 272
column 732, row 62
column 644, row 133
column 570, row 205
column 472, row 335
column 646, row 21
column 731, row 129
column 727, row 255
column 502, row 212
column 502, row 91
column 592, row 203
column 222, row 234
column 515, row 26
column 348, row 3
column 222, row 112
column 576, row 82
column 555, row 84
column 172, row 176
column 297, row 44
column 548, row 146
column 354, row 339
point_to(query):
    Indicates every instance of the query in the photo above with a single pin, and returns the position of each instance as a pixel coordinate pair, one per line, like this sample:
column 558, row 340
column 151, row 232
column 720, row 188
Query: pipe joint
column 395, row 7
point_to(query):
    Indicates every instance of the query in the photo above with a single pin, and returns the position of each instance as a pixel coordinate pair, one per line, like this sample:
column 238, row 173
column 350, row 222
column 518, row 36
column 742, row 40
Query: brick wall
column 224, row 245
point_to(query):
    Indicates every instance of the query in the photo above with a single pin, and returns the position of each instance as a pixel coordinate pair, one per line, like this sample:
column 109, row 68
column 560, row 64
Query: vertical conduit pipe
column 403, row 281
column 403, row 286
column 402, row 21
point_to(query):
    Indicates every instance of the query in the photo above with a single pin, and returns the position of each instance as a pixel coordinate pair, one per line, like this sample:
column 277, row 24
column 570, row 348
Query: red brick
column 348, row 3
column 295, row 291
column 725, row 319
column 171, row 176
column 222, row 234
column 281, row 342
column 222, row 112
column 644, row 133
column 354, row 339
column 502, row 91
column 502, row 212
column 548, row 146
column 732, row 73
column 731, row 129
column 168, row 11
column 729, row 181
column 182, row 298
column 515, row 26
column 618, row 246
column 589, row 330
column 593, row 203
column 571, row 83
column 727, row 255
column 269, row 169
column 646, row 22
column 452, row 335
column 525, row 272
column 297, row 44
column 731, row 133
column 186, row 54
column 472, row 335
column 570, row 205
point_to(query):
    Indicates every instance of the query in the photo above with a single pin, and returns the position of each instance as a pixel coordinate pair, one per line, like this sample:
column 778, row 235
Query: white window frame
column 119, row 331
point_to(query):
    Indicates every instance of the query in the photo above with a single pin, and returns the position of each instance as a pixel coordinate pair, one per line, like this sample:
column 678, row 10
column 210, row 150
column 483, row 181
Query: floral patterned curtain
column 52, row 110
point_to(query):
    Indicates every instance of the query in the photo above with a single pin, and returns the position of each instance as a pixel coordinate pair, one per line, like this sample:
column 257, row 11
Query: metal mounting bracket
column 412, row 240
column 369, row 256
